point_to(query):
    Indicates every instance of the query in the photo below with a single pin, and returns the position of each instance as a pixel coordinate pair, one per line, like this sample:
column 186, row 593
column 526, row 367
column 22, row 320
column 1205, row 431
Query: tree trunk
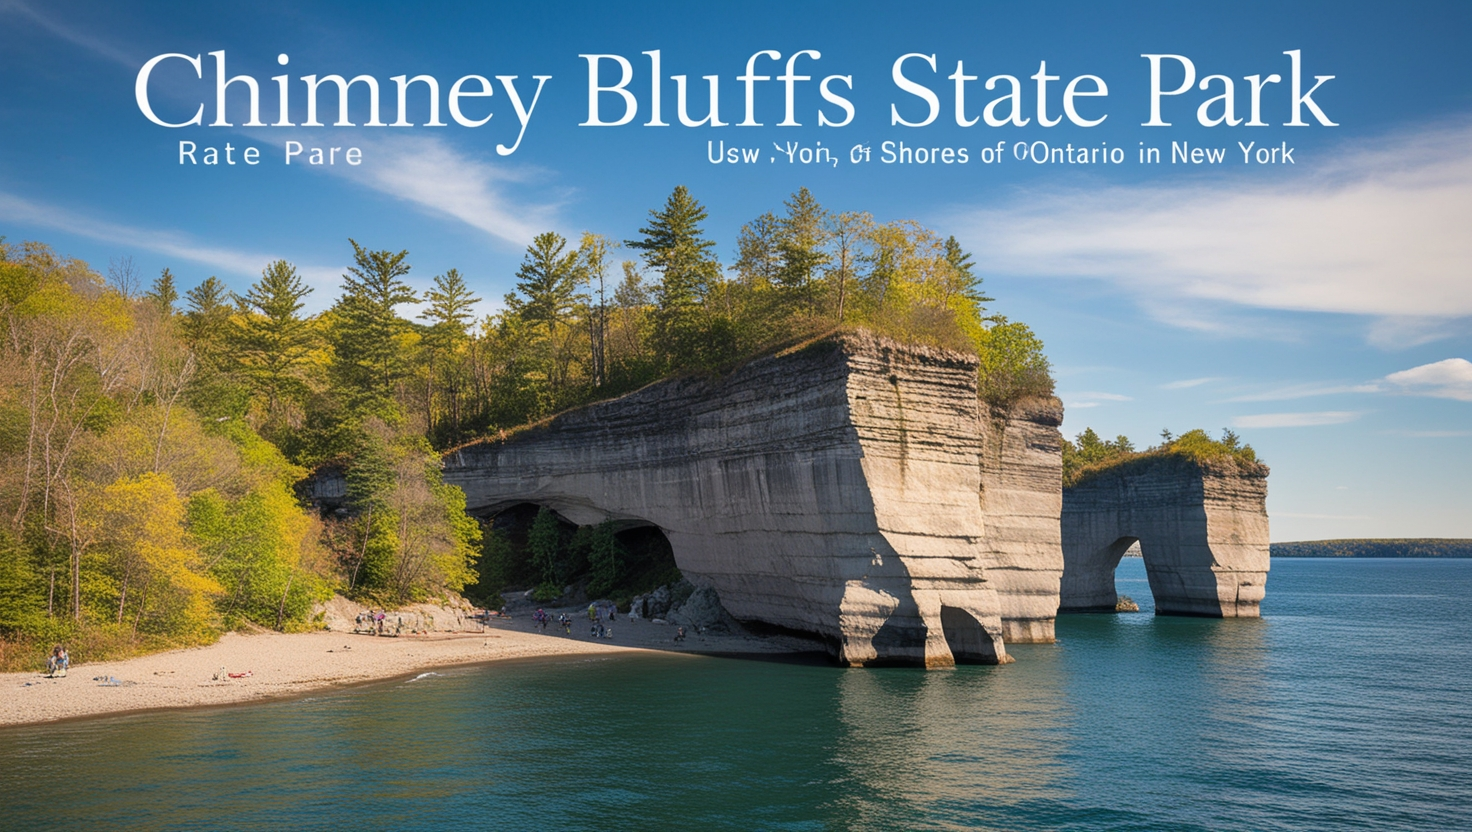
column 281, row 610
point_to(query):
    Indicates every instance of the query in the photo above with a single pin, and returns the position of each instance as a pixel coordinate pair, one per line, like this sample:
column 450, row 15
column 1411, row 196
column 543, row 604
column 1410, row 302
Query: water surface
column 1346, row 707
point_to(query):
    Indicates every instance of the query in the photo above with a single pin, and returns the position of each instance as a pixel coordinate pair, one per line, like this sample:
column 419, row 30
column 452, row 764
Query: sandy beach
column 281, row 665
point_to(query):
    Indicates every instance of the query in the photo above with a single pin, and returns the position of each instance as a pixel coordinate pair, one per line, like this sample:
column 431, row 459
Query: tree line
column 153, row 443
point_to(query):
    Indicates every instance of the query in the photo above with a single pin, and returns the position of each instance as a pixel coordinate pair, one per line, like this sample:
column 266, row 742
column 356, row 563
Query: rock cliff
column 1021, row 473
column 854, row 489
column 1202, row 529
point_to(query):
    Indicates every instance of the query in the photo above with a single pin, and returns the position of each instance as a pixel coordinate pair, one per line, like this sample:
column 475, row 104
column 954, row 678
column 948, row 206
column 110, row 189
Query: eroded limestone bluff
column 1021, row 476
column 1202, row 528
column 854, row 488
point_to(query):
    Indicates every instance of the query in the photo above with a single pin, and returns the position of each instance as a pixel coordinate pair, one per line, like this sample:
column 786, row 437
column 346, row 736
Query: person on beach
column 566, row 621
column 679, row 634
column 57, row 663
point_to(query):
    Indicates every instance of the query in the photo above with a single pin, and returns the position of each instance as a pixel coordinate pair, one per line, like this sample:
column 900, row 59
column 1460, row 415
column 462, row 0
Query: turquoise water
column 1349, row 706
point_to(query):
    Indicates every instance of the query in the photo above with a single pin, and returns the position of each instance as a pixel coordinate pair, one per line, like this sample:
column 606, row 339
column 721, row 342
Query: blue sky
column 1323, row 309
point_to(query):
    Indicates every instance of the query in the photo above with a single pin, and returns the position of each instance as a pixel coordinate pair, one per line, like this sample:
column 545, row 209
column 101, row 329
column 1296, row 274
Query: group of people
column 596, row 615
column 375, row 622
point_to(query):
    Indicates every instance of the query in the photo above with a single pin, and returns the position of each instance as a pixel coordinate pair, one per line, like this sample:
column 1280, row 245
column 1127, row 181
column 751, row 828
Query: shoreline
column 286, row 666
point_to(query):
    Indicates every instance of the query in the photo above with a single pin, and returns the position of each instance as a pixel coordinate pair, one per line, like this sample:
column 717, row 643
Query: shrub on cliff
column 1011, row 363
column 1091, row 456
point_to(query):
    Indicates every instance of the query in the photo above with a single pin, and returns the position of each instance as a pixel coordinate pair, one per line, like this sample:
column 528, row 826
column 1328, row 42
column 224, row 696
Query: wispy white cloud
column 226, row 261
column 439, row 179
column 1404, row 332
column 1430, row 434
column 1381, row 231
column 424, row 170
column 1447, row 379
column 1304, row 391
column 67, row 33
column 428, row 172
column 1295, row 420
column 1188, row 383
column 1450, row 378
column 1091, row 399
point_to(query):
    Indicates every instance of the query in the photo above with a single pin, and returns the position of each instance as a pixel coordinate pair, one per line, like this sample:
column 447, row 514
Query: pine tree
column 967, row 283
column 163, row 293
column 207, row 320
column 450, row 302
column 548, row 280
column 802, row 234
column 675, row 244
column 273, row 339
column 368, row 358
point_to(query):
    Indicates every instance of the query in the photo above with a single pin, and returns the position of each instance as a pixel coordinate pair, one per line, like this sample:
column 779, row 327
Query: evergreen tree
column 966, row 282
column 163, row 293
column 548, row 280
column 207, row 320
column 675, row 244
column 450, row 302
column 802, row 235
column 676, row 227
column 544, row 541
column 274, row 341
column 369, row 358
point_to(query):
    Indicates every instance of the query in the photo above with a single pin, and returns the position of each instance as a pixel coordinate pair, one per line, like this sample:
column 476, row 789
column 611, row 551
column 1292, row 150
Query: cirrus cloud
column 1381, row 230
column 1295, row 420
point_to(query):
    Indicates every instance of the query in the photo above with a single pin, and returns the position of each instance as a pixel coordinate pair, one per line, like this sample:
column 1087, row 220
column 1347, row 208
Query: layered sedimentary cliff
column 853, row 488
column 1021, row 472
column 1202, row 529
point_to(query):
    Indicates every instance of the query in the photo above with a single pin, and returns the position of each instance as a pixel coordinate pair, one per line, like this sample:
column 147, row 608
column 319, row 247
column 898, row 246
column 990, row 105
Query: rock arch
column 1202, row 528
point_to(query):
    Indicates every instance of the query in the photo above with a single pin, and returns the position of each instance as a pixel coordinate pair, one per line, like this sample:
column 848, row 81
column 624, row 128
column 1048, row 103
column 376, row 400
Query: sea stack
column 1202, row 526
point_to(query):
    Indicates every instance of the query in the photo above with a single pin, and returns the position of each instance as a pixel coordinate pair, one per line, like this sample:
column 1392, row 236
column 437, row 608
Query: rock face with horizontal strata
column 841, row 489
column 1202, row 529
column 1021, row 476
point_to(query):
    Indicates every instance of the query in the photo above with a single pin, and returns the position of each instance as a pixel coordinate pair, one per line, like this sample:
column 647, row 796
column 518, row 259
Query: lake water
column 1348, row 706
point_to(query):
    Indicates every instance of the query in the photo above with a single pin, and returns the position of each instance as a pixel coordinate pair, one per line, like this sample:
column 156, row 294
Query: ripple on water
column 1345, row 708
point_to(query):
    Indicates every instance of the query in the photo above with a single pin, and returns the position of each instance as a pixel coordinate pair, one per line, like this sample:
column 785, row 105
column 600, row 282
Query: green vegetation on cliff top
column 1089, row 455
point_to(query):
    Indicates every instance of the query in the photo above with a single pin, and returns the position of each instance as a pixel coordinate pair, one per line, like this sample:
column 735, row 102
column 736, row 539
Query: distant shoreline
column 1425, row 547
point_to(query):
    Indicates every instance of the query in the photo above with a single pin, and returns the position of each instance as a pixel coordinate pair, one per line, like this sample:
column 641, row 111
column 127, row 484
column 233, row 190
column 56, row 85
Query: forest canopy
column 156, row 442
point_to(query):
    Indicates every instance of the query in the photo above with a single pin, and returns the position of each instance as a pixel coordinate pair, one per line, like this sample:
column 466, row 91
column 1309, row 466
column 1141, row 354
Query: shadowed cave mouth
column 901, row 641
column 530, row 547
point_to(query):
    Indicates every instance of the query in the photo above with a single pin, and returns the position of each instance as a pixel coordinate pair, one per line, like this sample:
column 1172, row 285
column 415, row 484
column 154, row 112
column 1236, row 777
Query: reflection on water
column 1344, row 709
column 953, row 744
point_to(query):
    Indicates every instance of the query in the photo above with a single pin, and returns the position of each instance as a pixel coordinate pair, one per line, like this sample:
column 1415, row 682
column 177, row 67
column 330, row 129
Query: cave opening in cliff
column 968, row 641
column 528, row 546
column 1131, row 580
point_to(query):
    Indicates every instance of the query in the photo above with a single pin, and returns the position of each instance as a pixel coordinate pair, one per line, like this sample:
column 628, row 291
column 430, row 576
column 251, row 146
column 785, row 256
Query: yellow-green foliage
column 145, row 559
column 1011, row 364
column 127, row 522
column 1090, row 455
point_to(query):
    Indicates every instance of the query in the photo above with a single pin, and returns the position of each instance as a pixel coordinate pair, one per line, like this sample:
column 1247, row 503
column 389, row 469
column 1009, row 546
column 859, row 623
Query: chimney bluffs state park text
column 644, row 91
